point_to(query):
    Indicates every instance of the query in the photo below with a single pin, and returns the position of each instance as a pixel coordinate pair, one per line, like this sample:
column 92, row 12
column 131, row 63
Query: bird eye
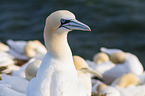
column 63, row 21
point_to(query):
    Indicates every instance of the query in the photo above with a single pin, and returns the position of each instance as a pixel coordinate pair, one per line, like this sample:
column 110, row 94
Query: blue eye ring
column 64, row 21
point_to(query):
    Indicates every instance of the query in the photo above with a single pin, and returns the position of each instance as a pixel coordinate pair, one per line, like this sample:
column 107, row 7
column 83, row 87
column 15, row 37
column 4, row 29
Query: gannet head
column 118, row 57
column 126, row 80
column 63, row 21
column 101, row 57
column 107, row 90
column 101, row 87
column 80, row 64
column 31, row 69
column 33, row 48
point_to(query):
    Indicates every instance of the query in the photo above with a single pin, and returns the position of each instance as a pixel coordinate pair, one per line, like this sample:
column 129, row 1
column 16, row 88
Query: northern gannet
column 84, row 73
column 17, row 49
column 34, row 48
column 129, row 64
column 101, row 62
column 101, row 57
column 109, row 90
column 126, row 80
column 7, row 63
column 15, row 83
column 21, row 71
column 6, row 59
column 24, row 50
column 57, row 75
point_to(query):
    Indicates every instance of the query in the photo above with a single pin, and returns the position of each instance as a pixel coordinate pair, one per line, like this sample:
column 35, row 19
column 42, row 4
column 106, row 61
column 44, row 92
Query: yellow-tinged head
column 101, row 87
column 81, row 65
column 101, row 57
column 79, row 62
column 58, row 24
column 64, row 20
column 33, row 48
column 127, row 79
column 118, row 57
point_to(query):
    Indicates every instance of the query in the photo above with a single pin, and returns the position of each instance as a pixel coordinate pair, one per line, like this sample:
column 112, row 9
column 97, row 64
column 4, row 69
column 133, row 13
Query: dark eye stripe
column 64, row 21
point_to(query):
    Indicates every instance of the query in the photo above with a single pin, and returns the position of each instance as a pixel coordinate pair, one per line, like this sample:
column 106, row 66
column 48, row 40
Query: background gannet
column 34, row 48
column 101, row 62
column 118, row 57
column 100, row 57
column 16, row 83
column 110, row 91
column 21, row 71
column 126, row 80
column 17, row 49
column 57, row 75
column 5, row 90
column 130, row 64
column 84, row 73
column 24, row 50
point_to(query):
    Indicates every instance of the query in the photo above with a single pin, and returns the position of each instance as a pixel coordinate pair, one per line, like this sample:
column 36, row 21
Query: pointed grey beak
column 76, row 25
column 91, row 71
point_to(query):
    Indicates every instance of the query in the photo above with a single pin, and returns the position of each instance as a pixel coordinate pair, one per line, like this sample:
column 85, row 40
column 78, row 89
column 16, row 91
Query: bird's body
column 16, row 83
column 57, row 75
column 131, row 64
column 84, row 74
column 85, row 79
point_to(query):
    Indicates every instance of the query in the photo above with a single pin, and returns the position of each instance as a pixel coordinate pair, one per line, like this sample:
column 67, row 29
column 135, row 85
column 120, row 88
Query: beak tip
column 89, row 29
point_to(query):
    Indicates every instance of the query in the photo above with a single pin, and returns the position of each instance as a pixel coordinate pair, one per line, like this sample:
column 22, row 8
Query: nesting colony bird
column 110, row 91
column 24, row 50
column 126, row 63
column 7, row 63
column 84, row 72
column 17, row 49
column 13, row 86
column 34, row 48
column 126, row 80
column 57, row 75
column 6, row 60
column 101, row 57
column 21, row 71
column 101, row 62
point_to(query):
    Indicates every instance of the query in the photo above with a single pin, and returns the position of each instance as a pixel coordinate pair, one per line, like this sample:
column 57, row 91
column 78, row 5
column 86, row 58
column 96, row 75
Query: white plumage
column 57, row 75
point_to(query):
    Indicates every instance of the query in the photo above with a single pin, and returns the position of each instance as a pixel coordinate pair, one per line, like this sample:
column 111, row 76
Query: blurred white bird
column 17, row 49
column 21, row 71
column 126, row 80
column 109, row 90
column 24, row 50
column 13, row 86
column 34, row 48
column 101, row 62
column 84, row 72
column 127, row 63
column 6, row 59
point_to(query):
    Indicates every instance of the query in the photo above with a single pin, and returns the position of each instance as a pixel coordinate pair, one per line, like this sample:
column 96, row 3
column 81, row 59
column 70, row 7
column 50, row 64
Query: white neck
column 57, row 44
